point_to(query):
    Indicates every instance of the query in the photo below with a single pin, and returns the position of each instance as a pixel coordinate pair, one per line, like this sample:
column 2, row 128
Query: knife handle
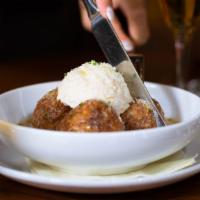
column 91, row 8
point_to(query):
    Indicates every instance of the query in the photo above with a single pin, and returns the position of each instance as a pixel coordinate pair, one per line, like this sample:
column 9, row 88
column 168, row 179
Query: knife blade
column 117, row 56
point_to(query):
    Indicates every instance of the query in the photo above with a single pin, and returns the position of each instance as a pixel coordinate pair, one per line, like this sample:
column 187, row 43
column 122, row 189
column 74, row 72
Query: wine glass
column 182, row 16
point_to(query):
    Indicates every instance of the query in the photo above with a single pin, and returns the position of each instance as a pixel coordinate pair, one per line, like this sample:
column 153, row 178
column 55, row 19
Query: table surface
column 28, row 71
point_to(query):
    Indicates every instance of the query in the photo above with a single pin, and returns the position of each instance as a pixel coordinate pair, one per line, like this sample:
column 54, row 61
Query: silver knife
column 117, row 56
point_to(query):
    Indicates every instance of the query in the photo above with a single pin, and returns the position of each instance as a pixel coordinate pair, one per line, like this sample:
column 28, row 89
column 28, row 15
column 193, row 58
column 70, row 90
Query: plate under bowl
column 99, row 153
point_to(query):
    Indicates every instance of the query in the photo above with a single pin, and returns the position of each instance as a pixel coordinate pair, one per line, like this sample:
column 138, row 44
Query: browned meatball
column 140, row 116
column 49, row 111
column 91, row 116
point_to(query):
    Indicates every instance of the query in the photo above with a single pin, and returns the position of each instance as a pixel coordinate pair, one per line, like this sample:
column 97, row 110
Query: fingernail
column 110, row 13
column 128, row 45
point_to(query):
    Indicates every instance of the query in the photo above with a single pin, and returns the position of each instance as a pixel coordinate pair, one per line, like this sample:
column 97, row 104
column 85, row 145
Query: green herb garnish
column 93, row 62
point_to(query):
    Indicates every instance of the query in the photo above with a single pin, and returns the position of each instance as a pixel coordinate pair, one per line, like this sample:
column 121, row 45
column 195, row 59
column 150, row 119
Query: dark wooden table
column 19, row 72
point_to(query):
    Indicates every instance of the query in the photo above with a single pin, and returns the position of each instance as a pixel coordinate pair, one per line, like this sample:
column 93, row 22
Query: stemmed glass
column 182, row 16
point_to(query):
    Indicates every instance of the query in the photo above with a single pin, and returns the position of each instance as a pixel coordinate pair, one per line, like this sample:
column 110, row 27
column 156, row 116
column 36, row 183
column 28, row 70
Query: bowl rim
column 99, row 134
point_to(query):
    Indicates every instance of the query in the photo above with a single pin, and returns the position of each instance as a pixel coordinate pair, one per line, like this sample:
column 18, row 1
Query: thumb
column 106, row 10
column 135, row 12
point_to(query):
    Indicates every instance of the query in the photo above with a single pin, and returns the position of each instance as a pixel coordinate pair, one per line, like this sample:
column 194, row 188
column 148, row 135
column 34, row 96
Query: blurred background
column 41, row 40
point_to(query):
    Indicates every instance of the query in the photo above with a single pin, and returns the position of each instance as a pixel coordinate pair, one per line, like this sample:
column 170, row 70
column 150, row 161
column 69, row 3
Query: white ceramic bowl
column 99, row 153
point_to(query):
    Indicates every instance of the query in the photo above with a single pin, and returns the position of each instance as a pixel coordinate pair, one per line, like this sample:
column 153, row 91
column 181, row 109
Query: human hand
column 135, row 14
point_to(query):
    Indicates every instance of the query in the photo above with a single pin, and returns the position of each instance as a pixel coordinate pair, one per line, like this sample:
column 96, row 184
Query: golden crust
column 91, row 116
column 49, row 111
column 138, row 116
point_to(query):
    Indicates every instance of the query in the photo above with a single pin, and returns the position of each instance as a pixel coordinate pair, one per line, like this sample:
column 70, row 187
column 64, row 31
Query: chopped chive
column 93, row 62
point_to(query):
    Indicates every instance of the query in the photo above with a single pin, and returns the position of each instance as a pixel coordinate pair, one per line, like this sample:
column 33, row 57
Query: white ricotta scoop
column 98, row 81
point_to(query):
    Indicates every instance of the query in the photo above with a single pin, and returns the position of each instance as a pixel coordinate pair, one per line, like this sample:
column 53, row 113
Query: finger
column 105, row 8
column 84, row 16
column 135, row 12
column 103, row 5
column 126, row 41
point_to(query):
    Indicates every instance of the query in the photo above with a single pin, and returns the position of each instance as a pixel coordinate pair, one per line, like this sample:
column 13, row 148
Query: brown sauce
column 27, row 121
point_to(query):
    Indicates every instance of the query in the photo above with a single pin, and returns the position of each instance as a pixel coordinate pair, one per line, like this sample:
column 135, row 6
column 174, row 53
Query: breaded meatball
column 140, row 116
column 49, row 111
column 91, row 116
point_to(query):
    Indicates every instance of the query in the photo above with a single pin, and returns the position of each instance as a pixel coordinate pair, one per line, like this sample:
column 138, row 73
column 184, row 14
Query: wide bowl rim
column 101, row 134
